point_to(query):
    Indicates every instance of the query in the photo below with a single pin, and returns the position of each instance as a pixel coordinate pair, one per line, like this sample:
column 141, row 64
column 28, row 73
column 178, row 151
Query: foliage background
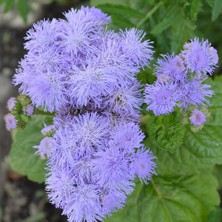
column 189, row 164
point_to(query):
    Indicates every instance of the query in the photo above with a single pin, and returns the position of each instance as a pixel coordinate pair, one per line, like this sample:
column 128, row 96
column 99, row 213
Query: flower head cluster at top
column 180, row 81
column 85, row 73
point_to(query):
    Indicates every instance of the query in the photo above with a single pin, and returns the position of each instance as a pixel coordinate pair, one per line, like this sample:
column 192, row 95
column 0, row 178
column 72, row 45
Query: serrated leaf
column 165, row 132
column 23, row 9
column 22, row 156
column 123, row 11
column 217, row 7
column 171, row 199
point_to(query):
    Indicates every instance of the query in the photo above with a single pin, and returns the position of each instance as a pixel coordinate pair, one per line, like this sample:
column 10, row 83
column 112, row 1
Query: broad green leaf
column 22, row 156
column 123, row 11
column 171, row 199
column 23, row 8
column 217, row 7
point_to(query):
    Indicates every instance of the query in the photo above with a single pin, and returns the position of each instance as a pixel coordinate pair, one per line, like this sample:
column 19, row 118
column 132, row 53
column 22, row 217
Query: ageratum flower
column 80, row 137
column 143, row 165
column 11, row 122
column 197, row 117
column 92, row 151
column 126, row 135
column 79, row 202
column 86, row 74
column 45, row 147
column 137, row 50
column 126, row 100
column 171, row 68
column 11, row 103
column 28, row 110
column 200, row 56
column 43, row 83
column 76, row 62
column 195, row 93
column 161, row 98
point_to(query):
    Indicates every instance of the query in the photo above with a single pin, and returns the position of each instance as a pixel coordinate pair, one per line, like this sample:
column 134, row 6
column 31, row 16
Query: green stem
column 148, row 15
column 41, row 112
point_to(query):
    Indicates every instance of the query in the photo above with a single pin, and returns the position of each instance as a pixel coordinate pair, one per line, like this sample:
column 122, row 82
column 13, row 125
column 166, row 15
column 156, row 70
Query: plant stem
column 148, row 15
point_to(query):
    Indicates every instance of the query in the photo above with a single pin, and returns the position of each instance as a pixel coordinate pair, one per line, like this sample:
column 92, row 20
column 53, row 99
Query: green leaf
column 218, row 174
column 23, row 9
column 113, row 2
column 171, row 199
column 168, row 21
column 217, row 7
column 22, row 156
column 123, row 11
column 121, row 22
column 9, row 4
column 215, row 215
column 165, row 132
column 194, row 9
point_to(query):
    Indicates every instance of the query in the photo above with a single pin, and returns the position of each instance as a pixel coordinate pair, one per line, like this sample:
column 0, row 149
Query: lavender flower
column 197, row 117
column 112, row 201
column 127, row 136
column 11, row 103
column 82, row 136
column 86, row 74
column 126, row 100
column 171, row 68
column 11, row 122
column 94, row 151
column 200, row 56
column 79, row 203
column 161, row 98
column 28, row 110
column 48, row 130
column 138, row 52
column 91, row 82
column 45, row 147
column 143, row 165
column 195, row 93
column 44, row 86
column 112, row 169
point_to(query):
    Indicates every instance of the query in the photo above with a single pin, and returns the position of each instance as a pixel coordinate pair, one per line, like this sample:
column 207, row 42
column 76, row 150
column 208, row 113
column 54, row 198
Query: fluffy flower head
column 200, row 56
column 10, row 121
column 197, row 117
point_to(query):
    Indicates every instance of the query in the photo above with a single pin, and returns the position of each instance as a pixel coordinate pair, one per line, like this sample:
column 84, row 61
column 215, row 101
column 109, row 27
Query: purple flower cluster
column 85, row 73
column 180, row 79
column 92, row 163
column 20, row 109
column 76, row 62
